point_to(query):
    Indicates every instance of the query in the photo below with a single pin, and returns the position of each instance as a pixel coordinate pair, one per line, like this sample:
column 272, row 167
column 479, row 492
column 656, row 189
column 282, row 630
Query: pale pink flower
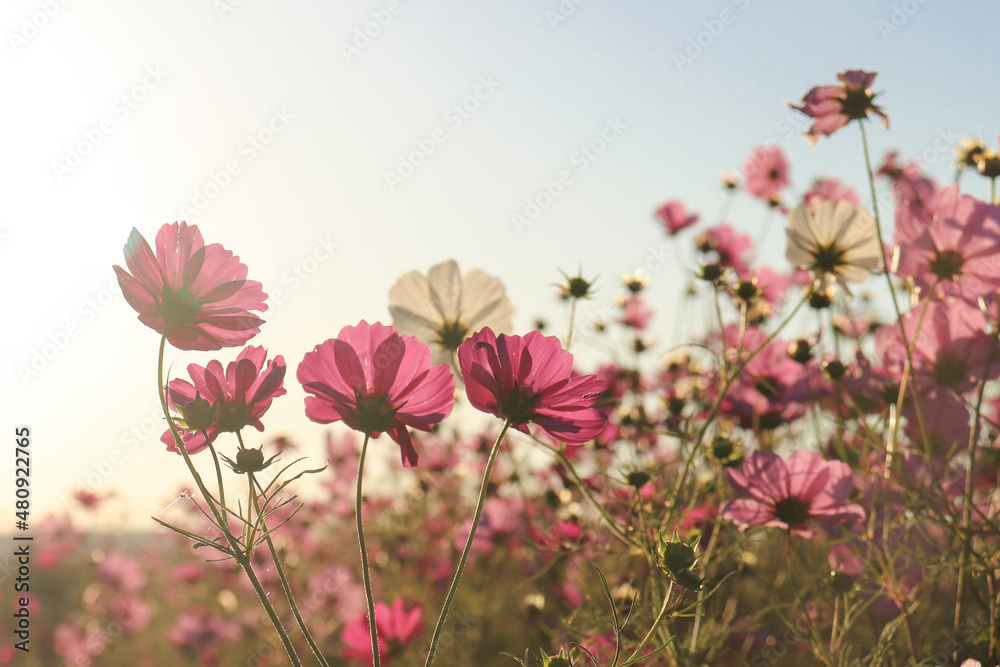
column 529, row 380
column 796, row 494
column 836, row 241
column 376, row 380
column 674, row 217
column 224, row 401
column 766, row 172
column 833, row 107
column 635, row 313
column 198, row 295
column 830, row 189
column 952, row 243
column 397, row 627
column 122, row 572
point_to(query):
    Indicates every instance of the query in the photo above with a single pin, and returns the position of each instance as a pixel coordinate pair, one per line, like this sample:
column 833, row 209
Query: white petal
column 446, row 289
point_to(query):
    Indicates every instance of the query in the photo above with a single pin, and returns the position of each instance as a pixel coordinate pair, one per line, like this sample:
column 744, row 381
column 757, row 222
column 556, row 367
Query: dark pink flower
column 224, row 401
column 952, row 242
column 635, row 313
column 530, row 380
column 766, row 172
column 198, row 295
column 833, row 107
column 376, row 380
column 795, row 493
column 674, row 217
column 730, row 246
column 397, row 628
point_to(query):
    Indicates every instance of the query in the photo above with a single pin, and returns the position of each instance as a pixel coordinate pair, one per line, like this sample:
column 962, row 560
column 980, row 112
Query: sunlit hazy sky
column 273, row 125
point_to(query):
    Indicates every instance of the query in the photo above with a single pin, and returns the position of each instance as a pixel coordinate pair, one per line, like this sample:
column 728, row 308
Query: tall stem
column 372, row 626
column 242, row 557
column 468, row 547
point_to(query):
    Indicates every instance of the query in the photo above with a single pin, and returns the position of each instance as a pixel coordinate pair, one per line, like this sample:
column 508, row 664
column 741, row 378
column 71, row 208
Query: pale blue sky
column 165, row 97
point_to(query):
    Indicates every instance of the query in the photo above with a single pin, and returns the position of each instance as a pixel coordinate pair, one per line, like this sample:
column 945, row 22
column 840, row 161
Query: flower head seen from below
column 674, row 217
column 376, row 381
column 444, row 307
column 795, row 494
column 835, row 241
column 221, row 400
column 833, row 107
column 196, row 295
column 397, row 628
column 766, row 172
column 530, row 380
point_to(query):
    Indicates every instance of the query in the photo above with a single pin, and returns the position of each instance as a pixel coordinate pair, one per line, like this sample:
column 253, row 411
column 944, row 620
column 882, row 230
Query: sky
column 334, row 146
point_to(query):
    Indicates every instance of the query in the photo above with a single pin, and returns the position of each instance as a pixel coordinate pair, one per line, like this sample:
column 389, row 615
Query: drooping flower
column 397, row 628
column 224, row 401
column 836, row 241
column 796, row 494
column 197, row 295
column 377, row 381
column 952, row 242
column 674, row 217
column 833, row 107
column 443, row 308
column 530, row 380
column 766, row 172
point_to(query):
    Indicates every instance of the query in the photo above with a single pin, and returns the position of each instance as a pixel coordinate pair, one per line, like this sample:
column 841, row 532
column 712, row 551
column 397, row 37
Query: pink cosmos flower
column 766, row 172
column 198, row 295
column 730, row 246
column 121, row 572
column 397, row 627
column 952, row 349
column 376, row 380
column 530, row 380
column 833, row 107
column 952, row 242
column 830, row 189
column 224, row 401
column 635, row 313
column 795, row 493
column 674, row 217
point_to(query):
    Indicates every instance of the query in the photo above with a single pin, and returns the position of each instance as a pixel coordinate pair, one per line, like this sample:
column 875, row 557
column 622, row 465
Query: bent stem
column 376, row 658
column 468, row 548
column 242, row 557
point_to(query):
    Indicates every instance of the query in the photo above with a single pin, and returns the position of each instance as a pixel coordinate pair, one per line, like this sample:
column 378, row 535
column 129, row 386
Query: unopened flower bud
column 800, row 351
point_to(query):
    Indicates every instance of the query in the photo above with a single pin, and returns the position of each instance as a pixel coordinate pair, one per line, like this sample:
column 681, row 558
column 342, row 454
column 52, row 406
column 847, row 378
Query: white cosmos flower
column 836, row 241
column 444, row 308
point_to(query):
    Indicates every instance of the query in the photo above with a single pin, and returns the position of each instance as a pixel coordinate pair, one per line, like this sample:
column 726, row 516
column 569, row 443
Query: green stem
column 242, row 557
column 572, row 320
column 468, row 548
column 656, row 624
column 218, row 471
column 291, row 603
column 372, row 625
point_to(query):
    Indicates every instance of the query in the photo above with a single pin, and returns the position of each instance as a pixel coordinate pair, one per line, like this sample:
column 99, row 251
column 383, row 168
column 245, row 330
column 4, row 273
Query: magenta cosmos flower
column 833, row 107
column 197, row 295
column 766, row 172
column 397, row 628
column 674, row 217
column 530, row 380
column 376, row 380
column 221, row 401
column 794, row 494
